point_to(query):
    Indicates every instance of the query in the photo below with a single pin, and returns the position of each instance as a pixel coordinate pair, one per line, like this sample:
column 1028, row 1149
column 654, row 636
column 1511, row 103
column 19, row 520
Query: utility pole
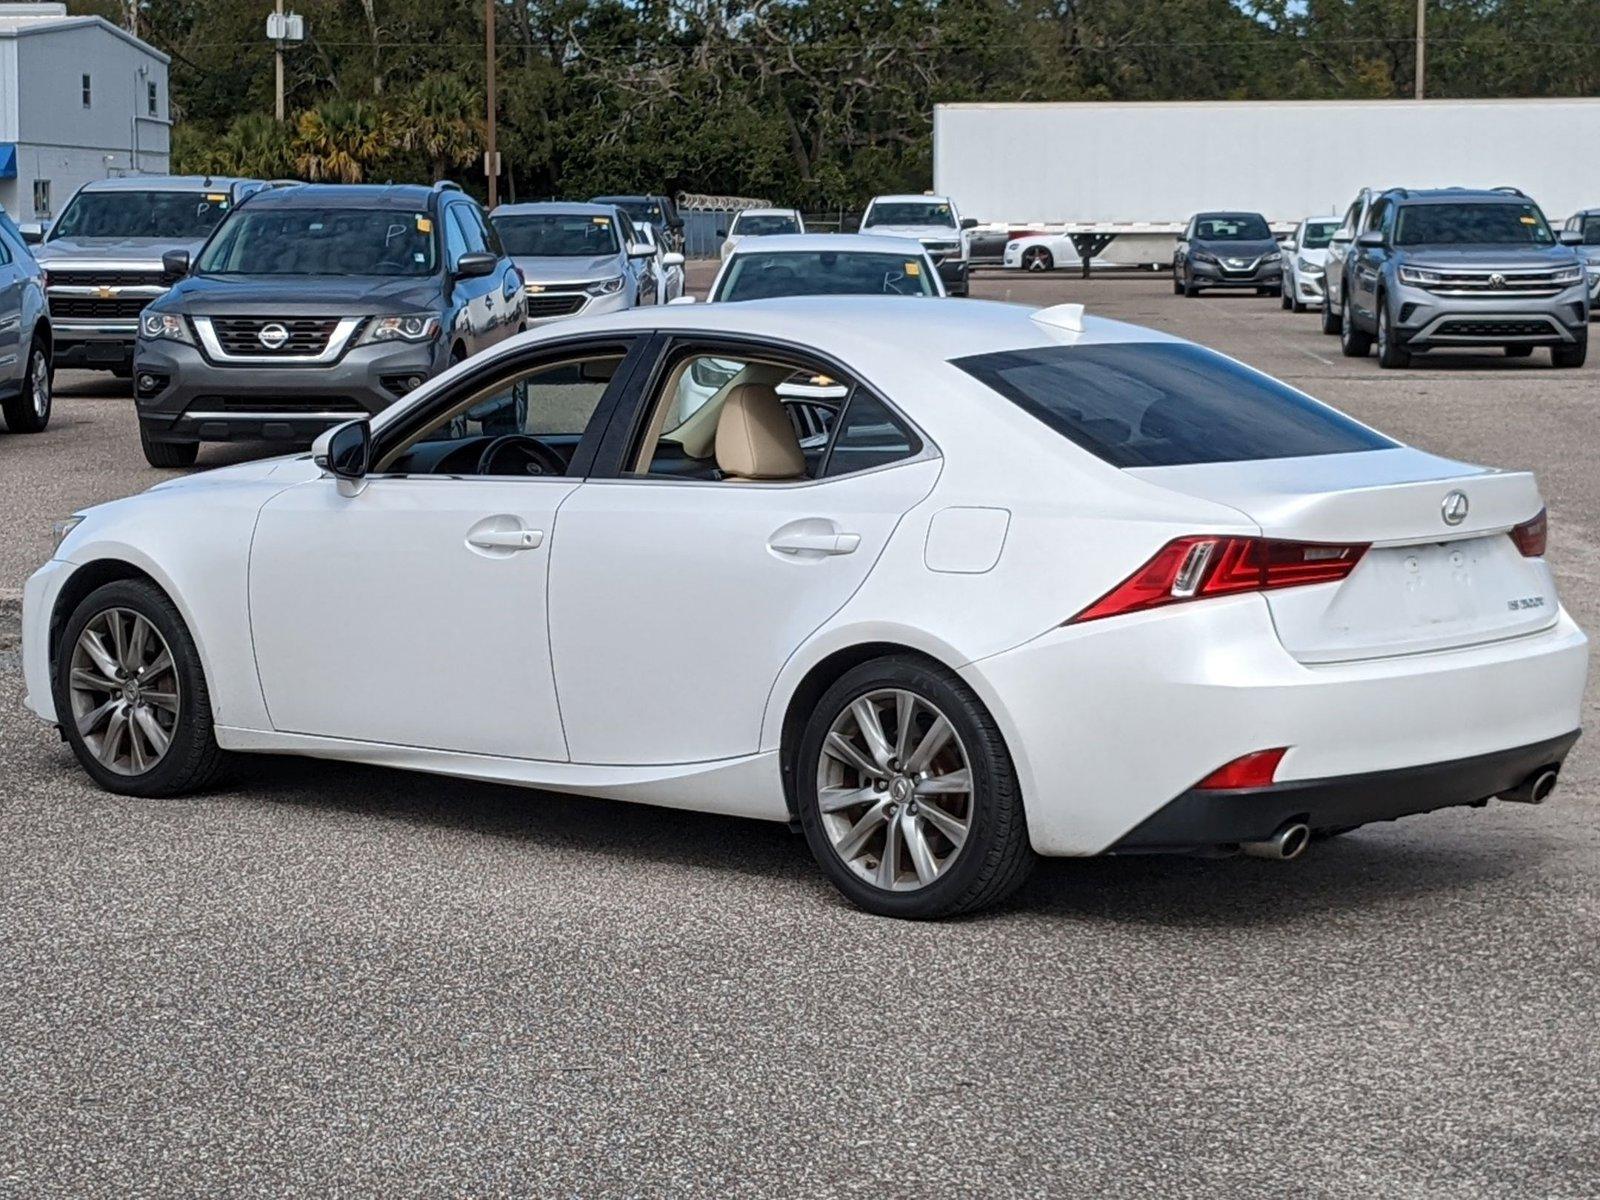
column 277, row 55
column 1422, row 47
column 491, row 157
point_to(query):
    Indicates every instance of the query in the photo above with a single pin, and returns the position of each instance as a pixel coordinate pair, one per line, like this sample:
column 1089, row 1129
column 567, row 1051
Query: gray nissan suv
column 1456, row 268
column 316, row 303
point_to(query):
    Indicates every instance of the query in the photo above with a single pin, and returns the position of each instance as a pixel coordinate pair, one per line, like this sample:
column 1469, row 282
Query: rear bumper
column 1107, row 722
column 1204, row 819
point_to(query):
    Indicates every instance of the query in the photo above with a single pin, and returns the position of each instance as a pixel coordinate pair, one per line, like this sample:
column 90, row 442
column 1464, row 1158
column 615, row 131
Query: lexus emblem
column 1454, row 509
column 1496, row 280
column 273, row 337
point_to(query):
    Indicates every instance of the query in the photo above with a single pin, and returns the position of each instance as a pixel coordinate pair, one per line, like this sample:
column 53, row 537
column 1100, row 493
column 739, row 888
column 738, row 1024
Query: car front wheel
column 1573, row 355
column 130, row 695
column 1390, row 352
column 29, row 410
column 907, row 794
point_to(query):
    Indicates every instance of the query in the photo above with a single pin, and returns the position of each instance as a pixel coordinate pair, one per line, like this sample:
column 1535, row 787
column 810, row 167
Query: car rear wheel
column 1285, row 298
column 1390, row 352
column 29, row 410
column 1037, row 258
column 1330, row 316
column 168, row 454
column 907, row 794
column 1573, row 355
column 130, row 696
column 1352, row 342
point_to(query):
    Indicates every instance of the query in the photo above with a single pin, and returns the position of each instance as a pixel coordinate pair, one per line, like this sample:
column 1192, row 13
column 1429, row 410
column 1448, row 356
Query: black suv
column 660, row 212
column 315, row 303
column 1457, row 267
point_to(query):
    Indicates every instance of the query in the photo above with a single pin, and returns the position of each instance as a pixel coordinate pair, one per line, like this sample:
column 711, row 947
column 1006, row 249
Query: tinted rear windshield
column 1471, row 225
column 1155, row 404
column 176, row 216
column 757, row 276
column 764, row 224
column 322, row 241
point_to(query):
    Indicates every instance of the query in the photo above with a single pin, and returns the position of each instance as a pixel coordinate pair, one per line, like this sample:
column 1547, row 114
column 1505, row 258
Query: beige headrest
column 755, row 439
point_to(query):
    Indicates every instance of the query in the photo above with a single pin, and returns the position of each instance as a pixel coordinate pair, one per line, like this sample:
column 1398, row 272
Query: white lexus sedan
column 1049, row 585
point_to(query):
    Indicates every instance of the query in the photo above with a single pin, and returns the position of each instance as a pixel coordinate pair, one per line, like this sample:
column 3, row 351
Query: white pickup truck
column 933, row 221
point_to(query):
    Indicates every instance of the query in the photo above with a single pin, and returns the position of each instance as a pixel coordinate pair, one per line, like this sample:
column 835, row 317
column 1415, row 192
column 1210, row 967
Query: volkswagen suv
column 316, row 303
column 1453, row 268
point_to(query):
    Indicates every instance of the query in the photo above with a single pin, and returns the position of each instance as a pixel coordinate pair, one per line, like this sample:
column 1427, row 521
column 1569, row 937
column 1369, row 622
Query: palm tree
column 440, row 119
column 256, row 146
column 340, row 140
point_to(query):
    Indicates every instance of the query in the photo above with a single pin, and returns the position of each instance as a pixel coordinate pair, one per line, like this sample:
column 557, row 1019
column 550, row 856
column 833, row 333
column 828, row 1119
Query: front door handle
column 507, row 539
column 799, row 542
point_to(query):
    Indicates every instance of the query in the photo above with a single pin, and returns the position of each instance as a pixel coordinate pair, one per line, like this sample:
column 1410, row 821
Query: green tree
column 340, row 141
column 439, row 118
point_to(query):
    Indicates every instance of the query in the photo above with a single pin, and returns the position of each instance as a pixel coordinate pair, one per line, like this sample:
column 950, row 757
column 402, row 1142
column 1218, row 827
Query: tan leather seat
column 755, row 438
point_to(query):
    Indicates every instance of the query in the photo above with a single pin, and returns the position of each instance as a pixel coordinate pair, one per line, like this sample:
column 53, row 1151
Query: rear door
column 12, row 276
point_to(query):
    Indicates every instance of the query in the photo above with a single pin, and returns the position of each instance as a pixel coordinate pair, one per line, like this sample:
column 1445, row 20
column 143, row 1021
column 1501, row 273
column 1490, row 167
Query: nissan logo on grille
column 1454, row 509
column 273, row 336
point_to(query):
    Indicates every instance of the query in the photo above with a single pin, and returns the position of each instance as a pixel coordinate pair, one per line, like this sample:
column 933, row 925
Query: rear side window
column 1155, row 404
column 868, row 436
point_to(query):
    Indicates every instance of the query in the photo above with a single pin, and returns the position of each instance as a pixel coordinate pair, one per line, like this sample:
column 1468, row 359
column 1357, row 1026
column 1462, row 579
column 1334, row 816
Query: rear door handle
column 507, row 539
column 804, row 542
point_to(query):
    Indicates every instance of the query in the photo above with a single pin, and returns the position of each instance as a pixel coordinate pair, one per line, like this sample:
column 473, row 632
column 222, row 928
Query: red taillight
column 1193, row 568
column 1531, row 536
column 1247, row 771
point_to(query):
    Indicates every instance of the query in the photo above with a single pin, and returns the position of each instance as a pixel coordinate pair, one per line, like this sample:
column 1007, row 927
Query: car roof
column 840, row 243
column 408, row 196
column 1227, row 212
column 1455, row 195
column 164, row 183
column 906, row 197
column 554, row 208
column 767, row 212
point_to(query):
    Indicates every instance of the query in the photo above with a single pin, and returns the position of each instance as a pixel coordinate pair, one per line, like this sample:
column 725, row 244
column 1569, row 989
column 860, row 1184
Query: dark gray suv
column 1457, row 267
column 316, row 303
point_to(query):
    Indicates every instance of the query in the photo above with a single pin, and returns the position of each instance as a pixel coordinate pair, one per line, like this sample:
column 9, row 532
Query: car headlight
column 170, row 326
column 401, row 329
column 60, row 529
column 1205, row 256
column 1568, row 275
column 1418, row 277
column 605, row 287
column 1309, row 267
column 1272, row 256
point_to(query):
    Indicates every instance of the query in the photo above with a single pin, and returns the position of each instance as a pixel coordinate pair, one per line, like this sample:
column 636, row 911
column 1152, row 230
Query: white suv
column 933, row 221
column 1355, row 219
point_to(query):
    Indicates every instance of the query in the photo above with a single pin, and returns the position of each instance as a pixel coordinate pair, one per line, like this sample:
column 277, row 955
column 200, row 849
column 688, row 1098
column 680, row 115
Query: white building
column 79, row 99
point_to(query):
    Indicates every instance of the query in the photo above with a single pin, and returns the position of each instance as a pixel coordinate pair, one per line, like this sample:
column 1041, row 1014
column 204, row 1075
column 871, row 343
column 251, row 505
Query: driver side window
column 529, row 423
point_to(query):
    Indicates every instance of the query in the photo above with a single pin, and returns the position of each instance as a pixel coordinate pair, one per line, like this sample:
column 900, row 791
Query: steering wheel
column 519, row 454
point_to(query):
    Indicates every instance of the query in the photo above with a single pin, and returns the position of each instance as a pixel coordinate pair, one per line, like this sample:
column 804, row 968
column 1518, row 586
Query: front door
column 413, row 612
column 681, row 586
column 12, row 369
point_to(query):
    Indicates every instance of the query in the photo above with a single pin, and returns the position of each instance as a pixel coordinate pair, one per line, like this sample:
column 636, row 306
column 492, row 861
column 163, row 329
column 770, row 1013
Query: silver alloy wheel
column 1034, row 260
column 894, row 790
column 124, row 689
column 41, row 385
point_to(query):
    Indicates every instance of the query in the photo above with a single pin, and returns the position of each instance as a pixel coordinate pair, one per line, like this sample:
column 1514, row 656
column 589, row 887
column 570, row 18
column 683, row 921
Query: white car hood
column 927, row 233
column 290, row 468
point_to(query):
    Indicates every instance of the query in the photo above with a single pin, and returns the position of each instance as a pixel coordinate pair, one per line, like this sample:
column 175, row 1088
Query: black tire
column 1190, row 288
column 1330, row 318
column 1520, row 351
column 1295, row 305
column 193, row 758
column 995, row 857
column 1353, row 342
column 1391, row 354
column 29, row 410
column 1573, row 355
column 168, row 454
column 1285, row 299
column 1038, row 258
column 1177, row 281
column 122, row 372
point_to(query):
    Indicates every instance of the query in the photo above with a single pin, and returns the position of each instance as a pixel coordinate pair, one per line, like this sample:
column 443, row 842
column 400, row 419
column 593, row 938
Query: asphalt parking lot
column 332, row 980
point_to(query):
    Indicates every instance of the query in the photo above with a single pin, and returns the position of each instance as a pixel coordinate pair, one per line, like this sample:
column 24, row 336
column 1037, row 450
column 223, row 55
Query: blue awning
column 8, row 161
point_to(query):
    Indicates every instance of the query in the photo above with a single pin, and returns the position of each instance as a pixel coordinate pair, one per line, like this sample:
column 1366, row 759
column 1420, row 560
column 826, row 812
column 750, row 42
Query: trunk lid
column 1425, row 584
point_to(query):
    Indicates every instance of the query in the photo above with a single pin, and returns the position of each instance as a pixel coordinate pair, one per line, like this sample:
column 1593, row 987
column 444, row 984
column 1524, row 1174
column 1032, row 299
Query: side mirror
column 476, row 265
column 641, row 250
column 722, row 233
column 33, row 232
column 1341, row 237
column 344, row 450
column 969, row 222
column 672, row 259
column 175, row 262
column 1571, row 237
column 681, row 300
column 1290, row 245
column 1372, row 239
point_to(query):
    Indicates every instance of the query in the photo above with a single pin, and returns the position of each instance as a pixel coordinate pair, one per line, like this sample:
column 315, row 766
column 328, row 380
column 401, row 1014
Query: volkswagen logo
column 1454, row 508
column 1496, row 280
column 273, row 336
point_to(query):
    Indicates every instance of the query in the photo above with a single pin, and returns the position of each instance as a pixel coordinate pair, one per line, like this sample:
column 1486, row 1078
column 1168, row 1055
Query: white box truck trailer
column 1122, row 178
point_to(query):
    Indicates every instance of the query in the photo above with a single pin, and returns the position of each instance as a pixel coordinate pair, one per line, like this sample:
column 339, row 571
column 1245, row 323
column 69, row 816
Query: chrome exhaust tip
column 1289, row 842
column 1534, row 789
